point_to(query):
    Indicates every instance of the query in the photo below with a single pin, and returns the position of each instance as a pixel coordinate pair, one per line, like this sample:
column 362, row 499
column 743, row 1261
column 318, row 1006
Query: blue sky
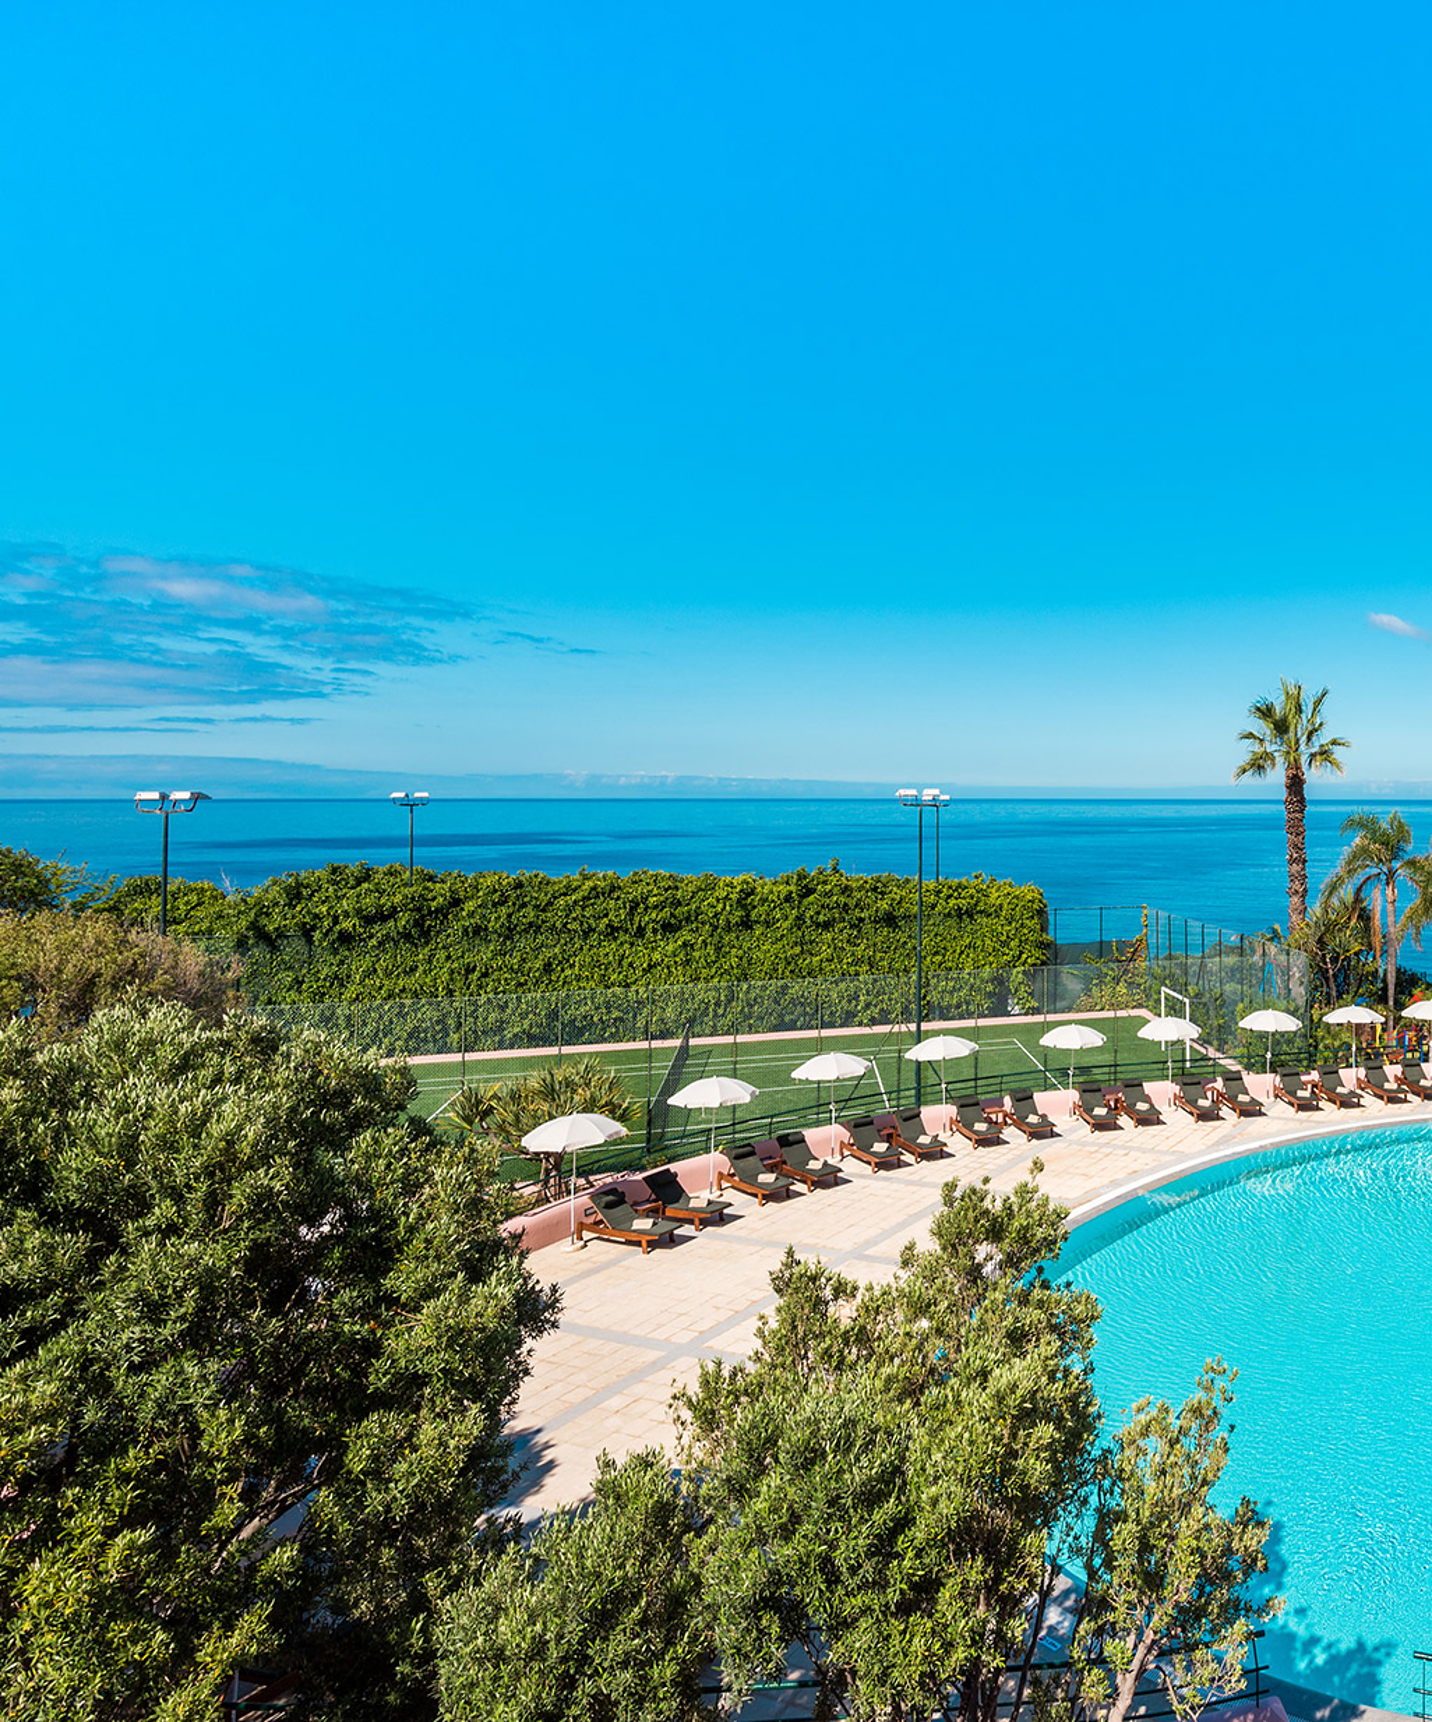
column 988, row 394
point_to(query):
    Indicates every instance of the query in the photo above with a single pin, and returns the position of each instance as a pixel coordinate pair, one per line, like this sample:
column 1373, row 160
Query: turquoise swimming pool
column 1309, row 1269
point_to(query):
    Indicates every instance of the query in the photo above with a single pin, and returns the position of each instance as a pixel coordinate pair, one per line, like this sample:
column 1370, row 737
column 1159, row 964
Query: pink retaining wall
column 551, row 1224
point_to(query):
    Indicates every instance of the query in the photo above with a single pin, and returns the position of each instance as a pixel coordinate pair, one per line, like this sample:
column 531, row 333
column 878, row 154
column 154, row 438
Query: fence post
column 647, row 1143
column 462, row 1037
column 560, row 1034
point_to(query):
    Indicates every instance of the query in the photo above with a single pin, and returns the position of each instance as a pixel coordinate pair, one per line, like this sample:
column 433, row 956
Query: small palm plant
column 579, row 1085
column 1378, row 867
column 1288, row 736
column 478, row 1110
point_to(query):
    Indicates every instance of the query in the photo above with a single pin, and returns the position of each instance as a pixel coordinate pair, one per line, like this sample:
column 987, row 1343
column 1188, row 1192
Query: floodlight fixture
column 164, row 802
column 412, row 799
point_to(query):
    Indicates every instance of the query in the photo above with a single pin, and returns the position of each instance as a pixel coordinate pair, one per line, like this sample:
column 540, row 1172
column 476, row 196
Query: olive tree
column 259, row 1332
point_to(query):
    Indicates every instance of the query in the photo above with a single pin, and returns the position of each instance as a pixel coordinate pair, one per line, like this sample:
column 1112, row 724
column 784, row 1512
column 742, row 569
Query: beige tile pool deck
column 634, row 1327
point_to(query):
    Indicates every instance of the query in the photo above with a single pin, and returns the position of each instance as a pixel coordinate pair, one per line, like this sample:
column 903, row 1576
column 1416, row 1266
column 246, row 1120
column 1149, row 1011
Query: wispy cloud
column 545, row 643
column 1395, row 625
column 154, row 726
column 125, row 630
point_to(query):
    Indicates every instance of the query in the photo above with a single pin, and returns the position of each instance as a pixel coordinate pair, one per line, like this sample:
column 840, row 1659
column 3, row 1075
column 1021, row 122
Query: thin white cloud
column 1395, row 625
column 81, row 634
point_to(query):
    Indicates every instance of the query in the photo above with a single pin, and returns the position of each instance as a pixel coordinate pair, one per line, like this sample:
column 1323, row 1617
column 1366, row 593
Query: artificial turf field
column 1010, row 1056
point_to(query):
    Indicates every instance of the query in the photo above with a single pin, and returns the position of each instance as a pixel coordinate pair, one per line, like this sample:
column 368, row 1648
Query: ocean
column 1218, row 861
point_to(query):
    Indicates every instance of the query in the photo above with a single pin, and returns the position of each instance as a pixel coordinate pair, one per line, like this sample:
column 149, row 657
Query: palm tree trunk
column 1295, row 808
column 1391, row 954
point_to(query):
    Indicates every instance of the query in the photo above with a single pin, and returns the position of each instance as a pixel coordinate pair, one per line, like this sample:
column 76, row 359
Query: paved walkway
column 635, row 1327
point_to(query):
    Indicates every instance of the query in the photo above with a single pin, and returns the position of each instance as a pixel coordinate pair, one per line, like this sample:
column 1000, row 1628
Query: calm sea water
column 1219, row 861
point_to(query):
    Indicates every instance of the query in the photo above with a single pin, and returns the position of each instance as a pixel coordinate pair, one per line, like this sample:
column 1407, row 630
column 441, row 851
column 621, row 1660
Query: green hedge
column 360, row 932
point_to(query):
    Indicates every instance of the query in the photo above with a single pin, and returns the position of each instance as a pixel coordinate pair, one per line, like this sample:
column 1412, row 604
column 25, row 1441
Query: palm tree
column 1337, row 938
column 1375, row 865
column 1288, row 736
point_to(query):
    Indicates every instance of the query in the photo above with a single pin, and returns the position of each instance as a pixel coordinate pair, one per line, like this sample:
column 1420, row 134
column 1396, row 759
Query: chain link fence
column 1127, row 963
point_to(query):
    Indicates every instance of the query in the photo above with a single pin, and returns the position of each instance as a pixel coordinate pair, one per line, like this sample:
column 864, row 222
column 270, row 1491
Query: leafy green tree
column 28, row 884
column 361, row 932
column 259, row 1331
column 1377, row 866
column 600, row 1619
column 1168, row 1573
column 885, row 1475
column 1338, row 940
column 59, row 968
column 192, row 902
column 1288, row 735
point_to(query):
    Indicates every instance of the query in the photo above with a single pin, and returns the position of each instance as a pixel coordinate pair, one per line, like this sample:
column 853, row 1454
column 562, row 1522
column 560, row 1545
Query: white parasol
column 831, row 1067
column 568, row 1134
column 712, row 1092
column 1269, row 1022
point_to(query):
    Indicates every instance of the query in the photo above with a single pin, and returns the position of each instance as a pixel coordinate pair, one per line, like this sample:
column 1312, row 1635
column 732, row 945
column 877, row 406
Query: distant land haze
column 102, row 776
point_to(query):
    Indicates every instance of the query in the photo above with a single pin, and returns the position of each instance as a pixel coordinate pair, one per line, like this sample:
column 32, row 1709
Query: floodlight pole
column 164, row 802
column 920, row 801
column 937, row 800
column 412, row 801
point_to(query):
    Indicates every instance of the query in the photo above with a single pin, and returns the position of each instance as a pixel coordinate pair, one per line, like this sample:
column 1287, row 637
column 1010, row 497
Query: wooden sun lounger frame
column 934, row 1149
column 991, row 1135
column 805, row 1174
column 1305, row 1101
column 734, row 1179
column 680, row 1211
column 1039, row 1125
column 603, row 1228
column 1213, row 1110
column 1246, row 1105
column 1337, row 1097
column 1109, row 1122
column 1152, row 1116
column 1422, row 1088
column 1386, row 1094
column 871, row 1156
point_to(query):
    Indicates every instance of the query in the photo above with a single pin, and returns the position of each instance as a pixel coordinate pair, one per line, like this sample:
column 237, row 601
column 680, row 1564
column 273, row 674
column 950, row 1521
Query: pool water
column 1310, row 1270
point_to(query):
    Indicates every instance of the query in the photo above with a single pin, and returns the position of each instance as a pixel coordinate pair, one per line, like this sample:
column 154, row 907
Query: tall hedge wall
column 360, row 932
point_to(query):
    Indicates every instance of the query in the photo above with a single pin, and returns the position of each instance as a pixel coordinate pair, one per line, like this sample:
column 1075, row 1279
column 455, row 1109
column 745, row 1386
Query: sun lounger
column 1416, row 1079
column 1328, row 1081
column 870, row 1144
column 1235, row 1096
column 911, row 1137
column 1025, row 1116
column 1094, row 1109
column 1380, row 1081
column 1133, row 1101
column 972, row 1124
column 795, row 1159
column 1288, row 1085
column 673, row 1201
column 616, row 1218
column 749, row 1172
column 1194, row 1098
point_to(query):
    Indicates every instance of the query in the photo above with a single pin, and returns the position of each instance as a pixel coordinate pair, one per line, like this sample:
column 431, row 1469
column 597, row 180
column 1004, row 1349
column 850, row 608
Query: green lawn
column 1009, row 1057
